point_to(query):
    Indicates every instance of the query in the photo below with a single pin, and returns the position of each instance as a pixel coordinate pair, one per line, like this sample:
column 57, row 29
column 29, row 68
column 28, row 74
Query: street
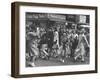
column 57, row 62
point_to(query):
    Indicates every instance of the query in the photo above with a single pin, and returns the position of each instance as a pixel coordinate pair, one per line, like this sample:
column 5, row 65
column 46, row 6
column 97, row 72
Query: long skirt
column 80, row 51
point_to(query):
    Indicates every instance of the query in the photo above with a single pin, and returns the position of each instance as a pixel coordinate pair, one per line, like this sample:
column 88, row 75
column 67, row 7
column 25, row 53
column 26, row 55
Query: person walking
column 80, row 50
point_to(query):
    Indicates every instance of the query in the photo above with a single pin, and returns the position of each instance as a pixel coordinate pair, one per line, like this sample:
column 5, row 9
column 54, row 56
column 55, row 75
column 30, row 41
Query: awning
column 84, row 26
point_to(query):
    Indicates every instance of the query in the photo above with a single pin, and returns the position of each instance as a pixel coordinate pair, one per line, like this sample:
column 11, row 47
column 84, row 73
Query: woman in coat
column 80, row 50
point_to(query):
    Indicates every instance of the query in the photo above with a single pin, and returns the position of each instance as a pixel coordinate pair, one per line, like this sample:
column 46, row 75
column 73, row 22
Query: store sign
column 53, row 17
column 36, row 16
column 60, row 17
column 71, row 18
column 82, row 19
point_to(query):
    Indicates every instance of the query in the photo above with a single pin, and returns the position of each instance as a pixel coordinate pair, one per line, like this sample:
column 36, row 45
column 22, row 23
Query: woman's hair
column 82, row 31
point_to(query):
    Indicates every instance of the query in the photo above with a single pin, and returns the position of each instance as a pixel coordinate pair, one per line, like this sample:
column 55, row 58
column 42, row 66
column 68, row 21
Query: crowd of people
column 56, row 42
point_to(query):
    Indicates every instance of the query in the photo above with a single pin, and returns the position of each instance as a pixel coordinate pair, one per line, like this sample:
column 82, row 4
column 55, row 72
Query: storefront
column 45, row 20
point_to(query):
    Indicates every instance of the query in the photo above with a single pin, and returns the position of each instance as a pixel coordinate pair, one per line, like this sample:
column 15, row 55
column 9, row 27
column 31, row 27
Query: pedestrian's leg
column 31, row 62
column 82, row 55
column 82, row 58
column 76, row 56
column 82, row 52
column 62, row 56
